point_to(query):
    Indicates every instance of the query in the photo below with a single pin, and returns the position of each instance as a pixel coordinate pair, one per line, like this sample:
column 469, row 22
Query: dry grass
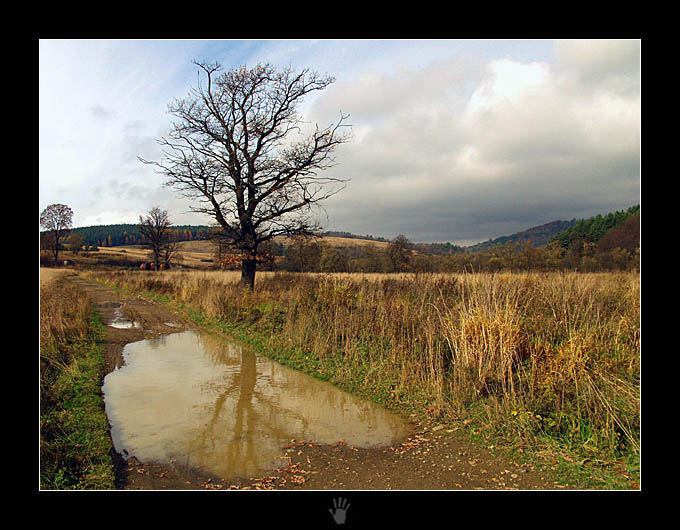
column 232, row 277
column 47, row 275
column 536, row 355
column 64, row 316
column 351, row 242
column 191, row 254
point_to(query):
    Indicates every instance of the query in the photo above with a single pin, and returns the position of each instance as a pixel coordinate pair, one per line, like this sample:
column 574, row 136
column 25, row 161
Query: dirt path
column 435, row 457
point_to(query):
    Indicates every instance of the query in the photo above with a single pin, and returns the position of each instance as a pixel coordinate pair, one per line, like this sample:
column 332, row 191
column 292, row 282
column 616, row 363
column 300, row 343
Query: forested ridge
column 593, row 229
column 129, row 234
column 536, row 236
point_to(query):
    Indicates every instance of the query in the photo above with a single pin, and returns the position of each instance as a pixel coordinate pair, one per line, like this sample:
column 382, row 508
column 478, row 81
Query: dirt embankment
column 435, row 457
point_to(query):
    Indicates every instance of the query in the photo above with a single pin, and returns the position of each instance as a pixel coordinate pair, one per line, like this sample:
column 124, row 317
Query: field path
column 435, row 457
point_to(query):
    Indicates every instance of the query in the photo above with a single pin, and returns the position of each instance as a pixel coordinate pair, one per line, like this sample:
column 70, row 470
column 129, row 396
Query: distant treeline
column 129, row 234
column 601, row 242
column 348, row 235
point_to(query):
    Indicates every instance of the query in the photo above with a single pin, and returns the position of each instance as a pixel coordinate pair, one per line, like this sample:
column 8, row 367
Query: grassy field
column 74, row 432
column 196, row 255
column 543, row 361
column 192, row 254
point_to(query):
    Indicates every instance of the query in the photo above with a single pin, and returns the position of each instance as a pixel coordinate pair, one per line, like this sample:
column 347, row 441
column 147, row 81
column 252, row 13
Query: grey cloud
column 425, row 165
column 475, row 214
column 102, row 113
column 613, row 65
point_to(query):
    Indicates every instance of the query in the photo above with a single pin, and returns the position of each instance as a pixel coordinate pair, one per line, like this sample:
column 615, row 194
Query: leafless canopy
column 57, row 220
column 232, row 149
column 157, row 235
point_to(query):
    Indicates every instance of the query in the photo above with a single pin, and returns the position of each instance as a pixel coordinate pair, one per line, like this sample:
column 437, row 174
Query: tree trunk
column 248, row 273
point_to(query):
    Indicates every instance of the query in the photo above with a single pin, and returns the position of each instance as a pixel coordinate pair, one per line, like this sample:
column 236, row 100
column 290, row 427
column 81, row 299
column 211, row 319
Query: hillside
column 593, row 229
column 537, row 236
column 626, row 236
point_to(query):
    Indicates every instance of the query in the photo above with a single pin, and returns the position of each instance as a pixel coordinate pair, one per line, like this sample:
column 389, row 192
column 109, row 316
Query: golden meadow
column 540, row 358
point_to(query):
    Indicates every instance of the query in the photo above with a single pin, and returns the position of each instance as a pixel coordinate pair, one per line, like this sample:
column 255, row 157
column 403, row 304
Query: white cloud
column 100, row 105
column 508, row 84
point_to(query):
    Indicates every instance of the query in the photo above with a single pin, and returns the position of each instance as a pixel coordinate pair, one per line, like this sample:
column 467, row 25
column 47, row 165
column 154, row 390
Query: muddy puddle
column 195, row 399
column 118, row 320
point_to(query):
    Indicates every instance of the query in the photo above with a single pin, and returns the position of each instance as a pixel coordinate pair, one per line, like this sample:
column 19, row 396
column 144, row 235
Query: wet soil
column 433, row 457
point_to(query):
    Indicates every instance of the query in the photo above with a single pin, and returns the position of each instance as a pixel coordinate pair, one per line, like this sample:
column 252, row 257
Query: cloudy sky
column 453, row 140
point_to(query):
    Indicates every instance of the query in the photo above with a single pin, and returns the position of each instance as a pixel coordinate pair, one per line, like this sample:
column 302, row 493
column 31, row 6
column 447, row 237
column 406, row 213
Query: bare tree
column 233, row 150
column 398, row 253
column 156, row 235
column 303, row 254
column 170, row 252
column 221, row 243
column 57, row 219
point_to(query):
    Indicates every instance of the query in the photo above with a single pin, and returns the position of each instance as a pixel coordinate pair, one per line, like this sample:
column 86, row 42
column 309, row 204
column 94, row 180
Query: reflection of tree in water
column 176, row 338
column 219, row 350
column 242, row 445
column 249, row 423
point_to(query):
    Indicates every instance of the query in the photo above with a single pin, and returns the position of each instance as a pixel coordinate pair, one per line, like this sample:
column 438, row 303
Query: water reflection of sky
column 208, row 402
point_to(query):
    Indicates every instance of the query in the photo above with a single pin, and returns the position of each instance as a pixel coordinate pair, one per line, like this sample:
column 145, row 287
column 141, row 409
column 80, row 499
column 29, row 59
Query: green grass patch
column 75, row 442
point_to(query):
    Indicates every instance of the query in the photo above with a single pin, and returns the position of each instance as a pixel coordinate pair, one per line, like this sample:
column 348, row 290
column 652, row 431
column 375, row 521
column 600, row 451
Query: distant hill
column 537, row 236
column 594, row 228
column 625, row 236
